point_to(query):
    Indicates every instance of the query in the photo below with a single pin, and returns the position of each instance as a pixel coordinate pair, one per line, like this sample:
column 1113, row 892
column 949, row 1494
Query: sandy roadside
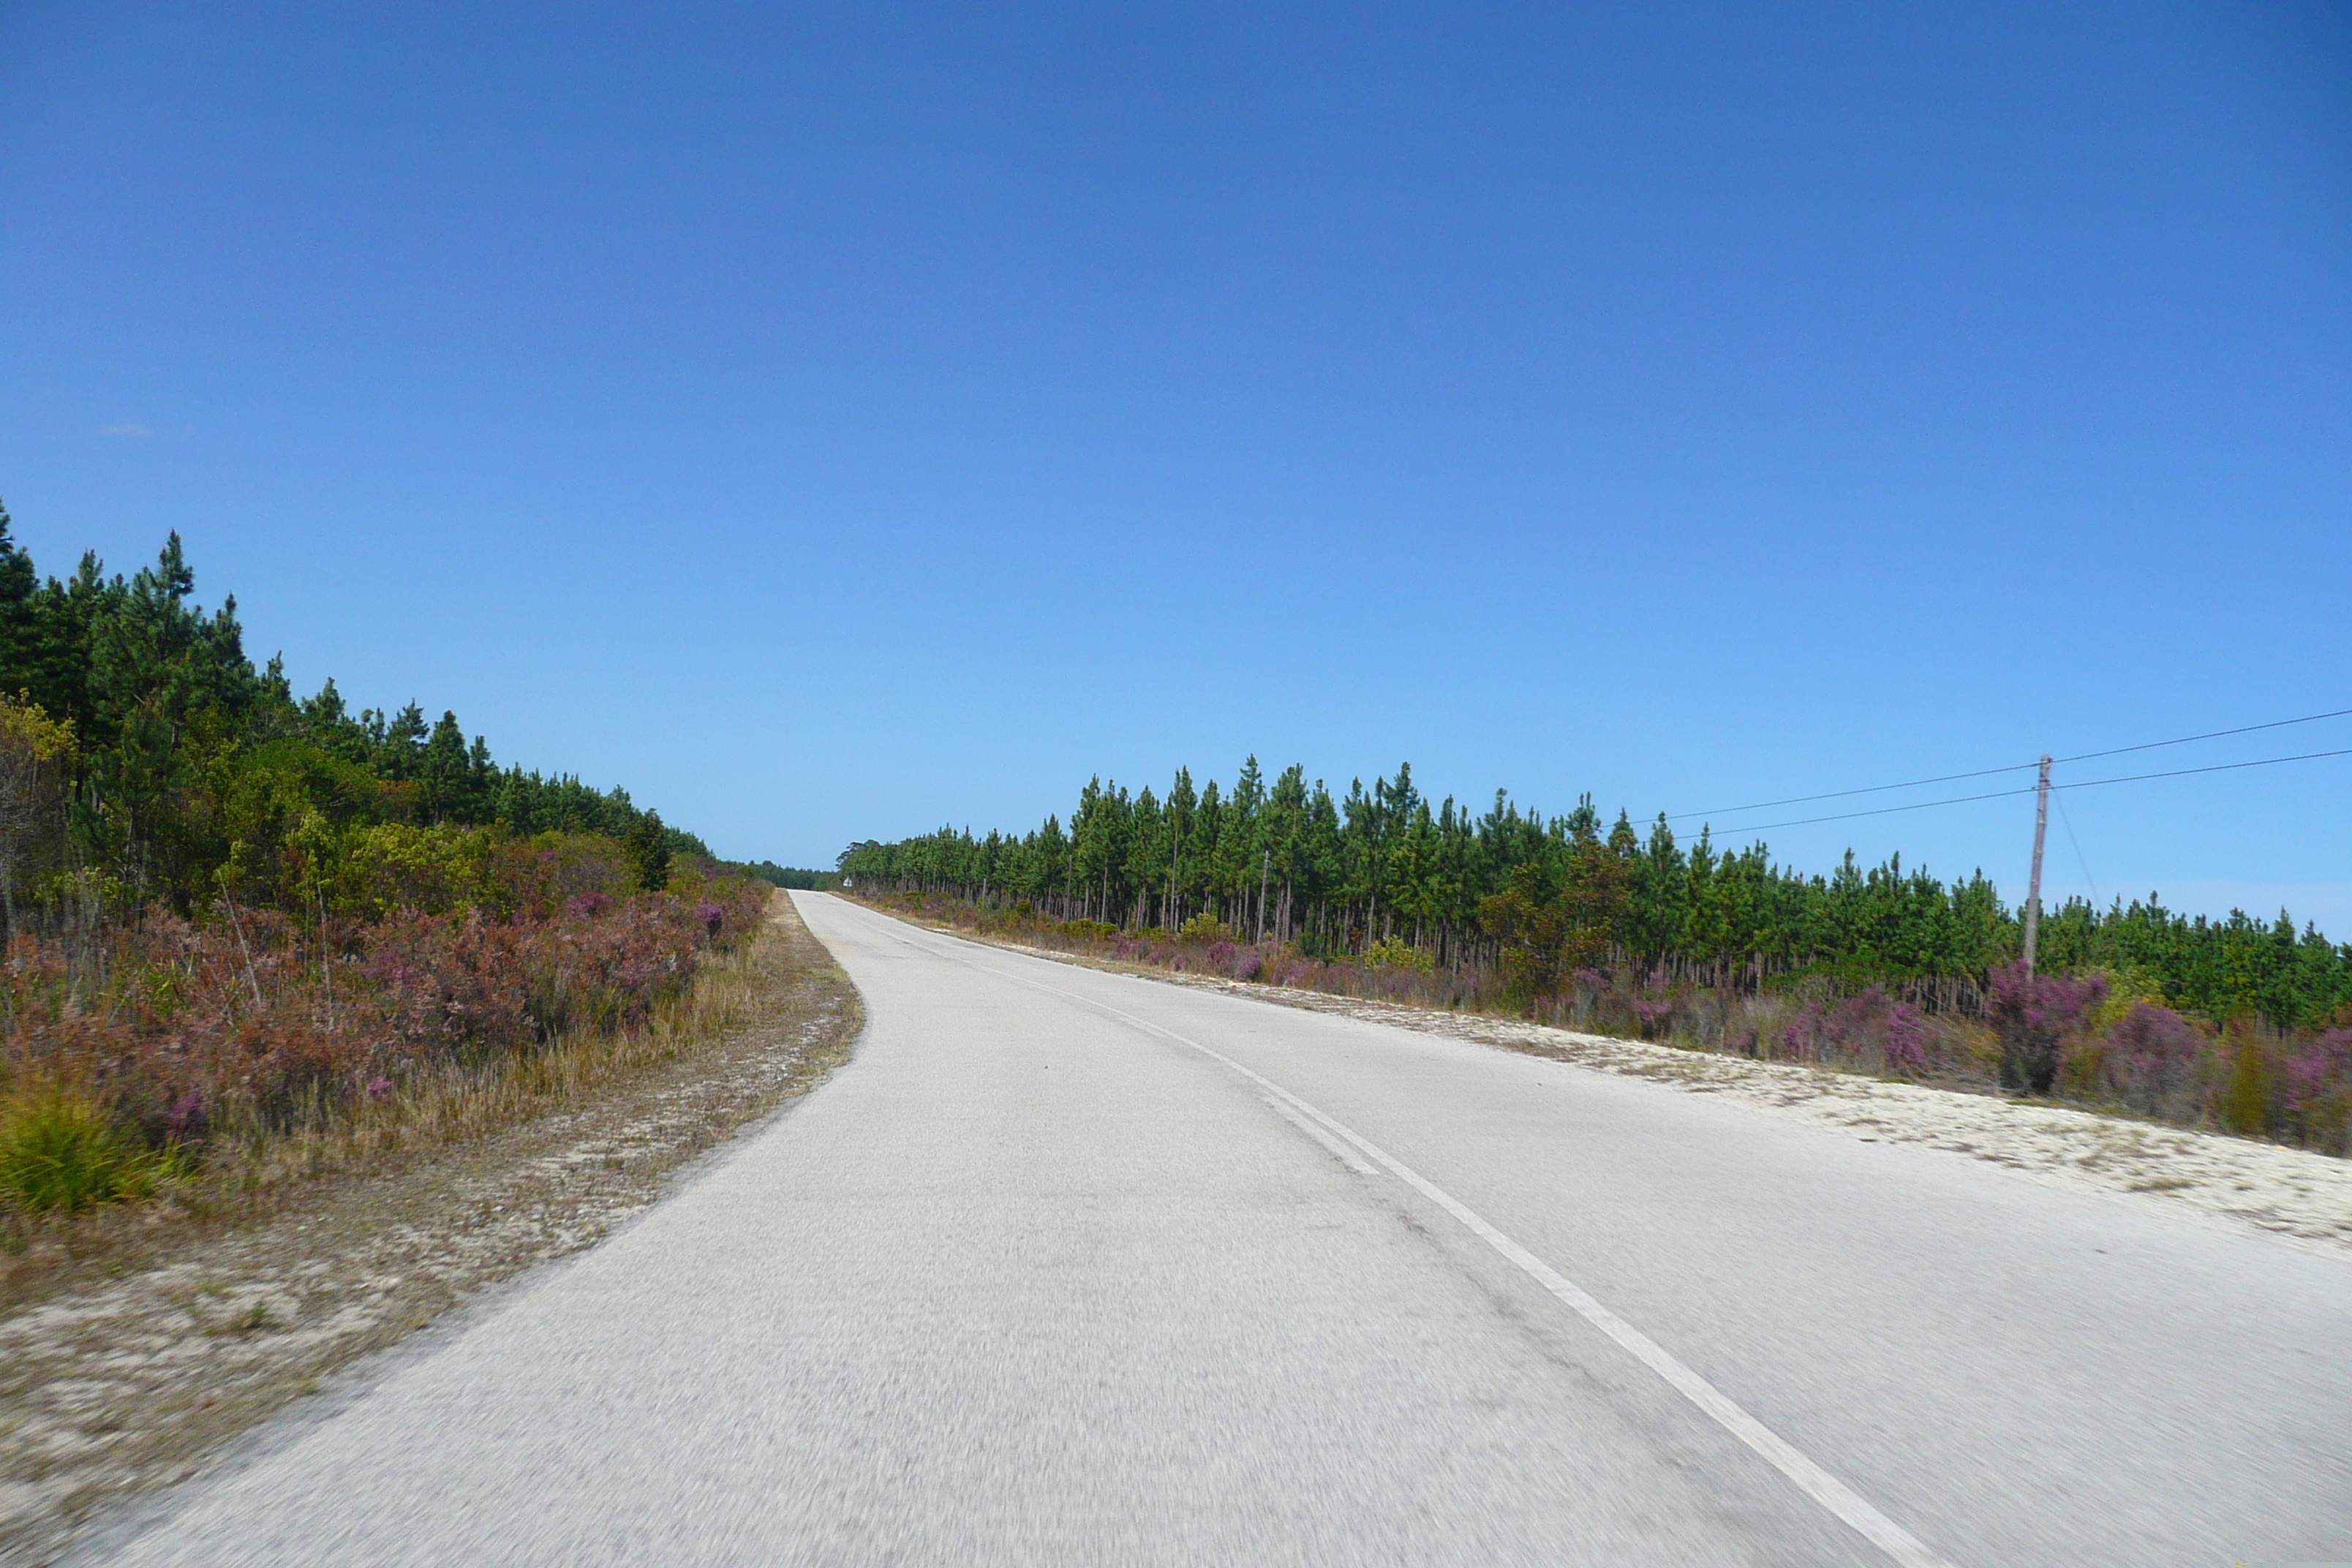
column 114, row 1388
column 2289, row 1192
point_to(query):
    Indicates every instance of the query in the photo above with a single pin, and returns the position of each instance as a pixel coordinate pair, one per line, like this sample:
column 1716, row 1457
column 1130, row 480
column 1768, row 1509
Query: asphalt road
column 1074, row 1267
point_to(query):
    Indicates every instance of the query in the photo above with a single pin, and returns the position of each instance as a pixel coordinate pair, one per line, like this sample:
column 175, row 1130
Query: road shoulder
column 116, row 1388
column 2291, row 1194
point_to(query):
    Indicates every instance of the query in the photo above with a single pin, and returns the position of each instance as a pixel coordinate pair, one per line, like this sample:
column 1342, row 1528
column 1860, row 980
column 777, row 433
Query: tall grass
column 59, row 1149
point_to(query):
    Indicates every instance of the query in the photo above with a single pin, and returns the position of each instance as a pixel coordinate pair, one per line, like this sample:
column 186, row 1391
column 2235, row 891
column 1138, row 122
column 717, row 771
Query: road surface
column 1074, row 1268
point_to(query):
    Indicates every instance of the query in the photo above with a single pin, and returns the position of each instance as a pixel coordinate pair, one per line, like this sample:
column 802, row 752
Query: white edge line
column 1345, row 1155
column 1850, row 1506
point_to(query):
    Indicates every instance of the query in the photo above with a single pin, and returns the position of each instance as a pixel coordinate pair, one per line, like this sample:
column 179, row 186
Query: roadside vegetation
column 311, row 1023
column 2235, row 1024
column 237, row 920
column 136, row 1337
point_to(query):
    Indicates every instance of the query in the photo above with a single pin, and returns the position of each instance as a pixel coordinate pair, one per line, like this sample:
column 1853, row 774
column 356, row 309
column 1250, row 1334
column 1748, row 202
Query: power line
column 2212, row 735
column 2079, row 859
column 1871, row 789
column 2079, row 784
column 1989, row 772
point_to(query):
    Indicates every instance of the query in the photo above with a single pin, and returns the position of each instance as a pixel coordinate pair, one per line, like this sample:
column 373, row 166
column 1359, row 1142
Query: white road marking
column 1340, row 1152
column 1841, row 1500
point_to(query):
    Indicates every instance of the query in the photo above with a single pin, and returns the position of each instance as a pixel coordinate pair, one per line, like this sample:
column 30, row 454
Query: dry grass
column 135, row 1339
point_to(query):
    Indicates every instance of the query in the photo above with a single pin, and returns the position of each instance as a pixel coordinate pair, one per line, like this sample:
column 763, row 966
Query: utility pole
column 2034, row 884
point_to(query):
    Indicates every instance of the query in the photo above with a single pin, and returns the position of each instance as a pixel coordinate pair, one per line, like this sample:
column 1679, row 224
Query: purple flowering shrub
column 184, row 1031
column 2314, row 1089
column 1903, row 1048
column 2033, row 1014
column 2149, row 1061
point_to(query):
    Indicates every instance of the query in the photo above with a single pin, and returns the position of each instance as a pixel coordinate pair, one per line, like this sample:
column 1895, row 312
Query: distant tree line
column 144, row 759
column 1285, row 860
column 798, row 877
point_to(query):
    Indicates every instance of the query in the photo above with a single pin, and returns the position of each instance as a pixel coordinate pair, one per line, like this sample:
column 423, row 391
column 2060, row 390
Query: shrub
column 180, row 1034
column 2149, row 1062
column 1395, row 953
column 1903, row 1050
column 1800, row 1036
column 2316, row 1080
column 2246, row 1097
column 1653, row 1009
column 60, row 1151
column 1205, row 928
column 535, row 877
column 2032, row 1014
column 393, row 866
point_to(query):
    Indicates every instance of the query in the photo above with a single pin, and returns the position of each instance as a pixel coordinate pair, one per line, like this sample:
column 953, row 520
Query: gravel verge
column 131, row 1376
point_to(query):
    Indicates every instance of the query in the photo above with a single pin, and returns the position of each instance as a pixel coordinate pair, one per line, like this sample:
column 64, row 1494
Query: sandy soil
column 112, row 1387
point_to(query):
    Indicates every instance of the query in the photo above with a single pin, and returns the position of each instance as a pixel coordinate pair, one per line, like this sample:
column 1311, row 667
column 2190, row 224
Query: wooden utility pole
column 2033, row 883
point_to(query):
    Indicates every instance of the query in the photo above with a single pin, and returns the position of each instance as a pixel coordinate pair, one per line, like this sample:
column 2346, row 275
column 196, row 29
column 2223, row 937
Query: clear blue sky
column 832, row 423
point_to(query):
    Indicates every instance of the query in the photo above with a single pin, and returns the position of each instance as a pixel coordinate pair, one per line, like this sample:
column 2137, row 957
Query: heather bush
column 1800, row 1038
column 2129, row 985
column 2149, row 1060
column 1903, row 1048
column 184, row 1033
column 2034, row 1014
column 2315, row 1085
column 1872, row 1030
column 536, row 876
column 1654, row 1008
column 443, row 983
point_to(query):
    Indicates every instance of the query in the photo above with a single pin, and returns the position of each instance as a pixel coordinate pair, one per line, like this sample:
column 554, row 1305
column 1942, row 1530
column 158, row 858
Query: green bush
column 2246, row 1101
column 393, row 866
column 1395, row 953
column 60, row 1151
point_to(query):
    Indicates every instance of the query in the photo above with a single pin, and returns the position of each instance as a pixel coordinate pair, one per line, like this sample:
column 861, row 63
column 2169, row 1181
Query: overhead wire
column 1989, row 772
column 2209, row 735
column 2028, row 789
column 2080, row 860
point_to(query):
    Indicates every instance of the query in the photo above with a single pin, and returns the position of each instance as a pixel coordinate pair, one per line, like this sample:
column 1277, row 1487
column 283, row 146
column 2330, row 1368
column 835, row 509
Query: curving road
column 1073, row 1268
